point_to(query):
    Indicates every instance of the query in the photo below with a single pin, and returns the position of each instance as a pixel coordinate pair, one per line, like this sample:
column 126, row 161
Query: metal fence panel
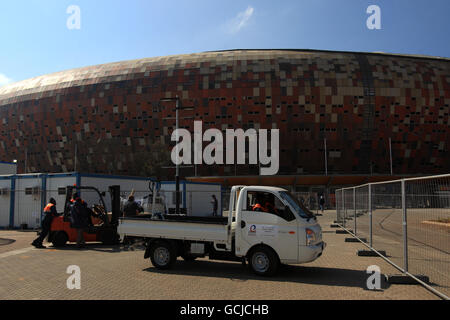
column 409, row 219
column 387, row 220
column 349, row 208
column 428, row 230
column 339, row 206
column 362, row 219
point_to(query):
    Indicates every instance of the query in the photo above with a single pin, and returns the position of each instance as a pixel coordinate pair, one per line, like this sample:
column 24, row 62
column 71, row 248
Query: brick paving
column 115, row 273
column 16, row 239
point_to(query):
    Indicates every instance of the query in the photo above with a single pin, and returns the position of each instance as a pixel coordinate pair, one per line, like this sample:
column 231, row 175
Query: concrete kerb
column 344, row 231
column 370, row 253
column 356, row 240
column 405, row 279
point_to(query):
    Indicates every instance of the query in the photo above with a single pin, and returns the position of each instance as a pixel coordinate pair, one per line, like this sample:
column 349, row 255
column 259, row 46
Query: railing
column 409, row 219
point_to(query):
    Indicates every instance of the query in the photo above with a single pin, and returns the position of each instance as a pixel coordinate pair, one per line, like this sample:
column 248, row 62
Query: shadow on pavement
column 89, row 247
column 288, row 273
column 4, row 242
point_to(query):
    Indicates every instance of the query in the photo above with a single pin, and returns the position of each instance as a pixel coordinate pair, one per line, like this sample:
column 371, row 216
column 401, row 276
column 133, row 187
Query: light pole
column 390, row 153
column 326, row 164
column 75, row 158
column 178, row 106
column 26, row 159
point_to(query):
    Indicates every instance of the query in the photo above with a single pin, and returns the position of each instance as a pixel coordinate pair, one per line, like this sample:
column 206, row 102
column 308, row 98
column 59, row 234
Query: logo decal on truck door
column 262, row 230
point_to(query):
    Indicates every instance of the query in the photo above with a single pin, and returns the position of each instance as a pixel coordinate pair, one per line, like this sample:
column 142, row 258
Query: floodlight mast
column 177, row 165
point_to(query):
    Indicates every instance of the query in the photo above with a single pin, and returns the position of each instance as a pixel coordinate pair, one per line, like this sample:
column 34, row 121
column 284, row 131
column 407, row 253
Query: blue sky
column 35, row 40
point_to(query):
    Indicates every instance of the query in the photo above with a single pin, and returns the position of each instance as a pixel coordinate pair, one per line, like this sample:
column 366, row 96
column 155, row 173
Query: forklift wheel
column 59, row 239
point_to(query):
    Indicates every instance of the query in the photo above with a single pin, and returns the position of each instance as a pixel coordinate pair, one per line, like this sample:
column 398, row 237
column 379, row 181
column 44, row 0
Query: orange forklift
column 103, row 226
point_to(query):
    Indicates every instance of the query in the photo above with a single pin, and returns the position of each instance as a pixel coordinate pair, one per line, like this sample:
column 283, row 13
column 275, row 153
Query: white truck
column 285, row 232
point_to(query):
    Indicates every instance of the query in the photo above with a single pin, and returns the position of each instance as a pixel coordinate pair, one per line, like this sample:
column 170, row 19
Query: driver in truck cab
column 258, row 206
column 269, row 205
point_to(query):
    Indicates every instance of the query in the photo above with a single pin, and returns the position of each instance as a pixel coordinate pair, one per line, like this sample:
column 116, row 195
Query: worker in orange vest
column 258, row 205
column 49, row 214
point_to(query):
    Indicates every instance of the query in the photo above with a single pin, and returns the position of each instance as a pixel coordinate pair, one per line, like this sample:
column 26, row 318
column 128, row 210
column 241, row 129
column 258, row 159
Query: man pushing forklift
column 49, row 214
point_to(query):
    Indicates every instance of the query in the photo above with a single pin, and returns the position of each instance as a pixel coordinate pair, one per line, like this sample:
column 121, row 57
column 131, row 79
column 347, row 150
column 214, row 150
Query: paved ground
column 428, row 245
column 113, row 273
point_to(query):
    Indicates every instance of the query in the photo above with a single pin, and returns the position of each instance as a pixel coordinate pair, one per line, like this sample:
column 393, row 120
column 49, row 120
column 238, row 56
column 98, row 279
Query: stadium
column 344, row 117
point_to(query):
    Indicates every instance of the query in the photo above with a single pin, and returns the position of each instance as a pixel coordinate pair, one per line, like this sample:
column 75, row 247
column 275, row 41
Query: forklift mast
column 114, row 192
column 69, row 192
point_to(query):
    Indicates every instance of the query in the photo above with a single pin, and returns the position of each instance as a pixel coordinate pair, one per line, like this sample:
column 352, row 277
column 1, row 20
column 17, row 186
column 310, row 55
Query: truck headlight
column 310, row 237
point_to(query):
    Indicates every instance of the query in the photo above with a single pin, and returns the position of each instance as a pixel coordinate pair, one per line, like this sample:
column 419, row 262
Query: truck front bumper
column 312, row 252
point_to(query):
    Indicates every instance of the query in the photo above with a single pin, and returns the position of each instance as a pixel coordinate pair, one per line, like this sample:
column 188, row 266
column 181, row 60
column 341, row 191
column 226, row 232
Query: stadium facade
column 111, row 118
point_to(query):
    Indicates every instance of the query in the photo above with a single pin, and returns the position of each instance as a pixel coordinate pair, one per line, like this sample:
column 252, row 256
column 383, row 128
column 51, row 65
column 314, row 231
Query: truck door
column 274, row 224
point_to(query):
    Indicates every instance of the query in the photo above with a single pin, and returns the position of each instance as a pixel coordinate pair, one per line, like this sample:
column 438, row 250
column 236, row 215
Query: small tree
column 151, row 163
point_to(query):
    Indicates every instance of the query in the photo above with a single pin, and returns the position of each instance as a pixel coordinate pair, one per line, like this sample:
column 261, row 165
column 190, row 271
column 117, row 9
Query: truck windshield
column 297, row 205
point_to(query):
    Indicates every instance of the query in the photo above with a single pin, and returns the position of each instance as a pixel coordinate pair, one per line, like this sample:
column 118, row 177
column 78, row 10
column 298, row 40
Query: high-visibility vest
column 48, row 208
column 73, row 201
column 258, row 206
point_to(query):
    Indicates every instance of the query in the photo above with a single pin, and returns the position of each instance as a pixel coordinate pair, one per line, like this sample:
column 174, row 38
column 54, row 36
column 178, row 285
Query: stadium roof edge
column 414, row 56
column 402, row 55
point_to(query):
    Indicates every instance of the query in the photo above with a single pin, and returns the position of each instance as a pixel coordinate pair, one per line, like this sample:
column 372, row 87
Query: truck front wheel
column 263, row 261
column 162, row 255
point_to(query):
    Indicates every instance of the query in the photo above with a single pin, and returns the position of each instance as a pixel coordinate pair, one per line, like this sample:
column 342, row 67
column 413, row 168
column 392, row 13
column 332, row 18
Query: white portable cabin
column 5, row 201
column 7, row 168
column 28, row 200
column 195, row 197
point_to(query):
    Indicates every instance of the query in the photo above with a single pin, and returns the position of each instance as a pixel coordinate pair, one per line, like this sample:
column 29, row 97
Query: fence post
column 343, row 206
column 337, row 204
column 405, row 235
column 354, row 208
column 370, row 216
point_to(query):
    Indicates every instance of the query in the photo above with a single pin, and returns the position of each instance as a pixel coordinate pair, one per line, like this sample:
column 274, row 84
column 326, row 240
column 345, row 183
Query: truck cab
column 283, row 225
